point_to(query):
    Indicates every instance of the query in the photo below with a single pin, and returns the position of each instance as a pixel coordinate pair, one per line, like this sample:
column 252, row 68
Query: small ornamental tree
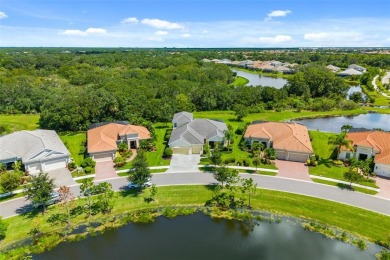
column 168, row 153
column 105, row 197
column 87, row 189
column 88, row 162
column 225, row 176
column 40, row 189
column 249, row 188
column 9, row 181
column 352, row 176
column 216, row 157
column 141, row 172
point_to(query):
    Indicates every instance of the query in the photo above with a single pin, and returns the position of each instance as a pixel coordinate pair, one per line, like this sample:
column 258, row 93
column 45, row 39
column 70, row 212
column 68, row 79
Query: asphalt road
column 20, row 205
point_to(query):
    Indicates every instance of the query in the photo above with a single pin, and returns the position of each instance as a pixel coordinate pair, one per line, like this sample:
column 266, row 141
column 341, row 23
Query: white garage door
column 55, row 164
column 103, row 157
column 281, row 155
column 297, row 157
column 181, row 150
column 33, row 168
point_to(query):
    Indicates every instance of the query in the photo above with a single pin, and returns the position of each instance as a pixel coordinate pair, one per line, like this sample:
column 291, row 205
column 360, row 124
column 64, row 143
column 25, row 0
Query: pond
column 334, row 124
column 199, row 237
column 258, row 80
column 354, row 89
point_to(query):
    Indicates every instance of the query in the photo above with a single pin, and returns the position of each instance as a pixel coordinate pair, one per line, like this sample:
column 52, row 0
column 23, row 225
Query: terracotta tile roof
column 285, row 136
column 104, row 138
column 379, row 141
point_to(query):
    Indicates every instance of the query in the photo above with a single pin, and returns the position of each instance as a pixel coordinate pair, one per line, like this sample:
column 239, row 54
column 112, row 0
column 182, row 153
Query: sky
column 196, row 24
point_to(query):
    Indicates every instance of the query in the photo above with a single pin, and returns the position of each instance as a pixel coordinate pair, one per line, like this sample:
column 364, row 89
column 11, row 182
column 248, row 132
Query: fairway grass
column 359, row 222
column 13, row 123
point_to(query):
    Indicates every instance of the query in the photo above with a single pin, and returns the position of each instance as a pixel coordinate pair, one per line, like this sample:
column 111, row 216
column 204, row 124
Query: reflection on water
column 199, row 237
column 334, row 124
column 257, row 80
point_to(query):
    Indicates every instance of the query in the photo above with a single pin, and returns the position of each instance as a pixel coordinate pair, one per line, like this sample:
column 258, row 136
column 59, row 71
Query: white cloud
column 278, row 13
column 162, row 24
column 276, row 39
column 87, row 32
column 186, row 35
column 161, row 33
column 3, row 15
column 155, row 39
column 316, row 36
column 132, row 20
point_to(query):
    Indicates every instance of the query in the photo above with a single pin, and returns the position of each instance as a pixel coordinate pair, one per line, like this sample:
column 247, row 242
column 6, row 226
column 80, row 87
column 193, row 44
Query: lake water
column 199, row 237
column 334, row 124
column 258, row 80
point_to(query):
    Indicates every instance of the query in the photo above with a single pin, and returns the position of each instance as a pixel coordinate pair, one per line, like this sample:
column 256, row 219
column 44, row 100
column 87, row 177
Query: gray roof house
column 349, row 72
column 190, row 136
column 39, row 150
column 181, row 118
column 357, row 67
column 333, row 68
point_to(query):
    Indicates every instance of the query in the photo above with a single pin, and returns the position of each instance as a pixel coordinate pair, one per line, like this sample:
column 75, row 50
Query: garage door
column 55, row 164
column 103, row 157
column 196, row 150
column 297, row 157
column 181, row 150
column 33, row 168
column 281, row 155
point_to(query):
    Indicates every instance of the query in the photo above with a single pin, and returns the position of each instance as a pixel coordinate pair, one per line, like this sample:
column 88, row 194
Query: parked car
column 54, row 198
column 131, row 185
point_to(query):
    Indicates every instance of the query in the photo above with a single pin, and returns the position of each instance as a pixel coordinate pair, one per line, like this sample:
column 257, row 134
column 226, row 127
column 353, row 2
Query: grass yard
column 344, row 186
column 74, row 143
column 12, row 123
column 155, row 158
column 325, row 166
column 240, row 81
column 363, row 223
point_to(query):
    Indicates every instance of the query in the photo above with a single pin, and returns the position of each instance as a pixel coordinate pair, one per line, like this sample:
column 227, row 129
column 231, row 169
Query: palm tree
column 340, row 141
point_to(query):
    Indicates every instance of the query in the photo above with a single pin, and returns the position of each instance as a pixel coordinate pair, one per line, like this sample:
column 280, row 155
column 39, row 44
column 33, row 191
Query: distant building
column 349, row 72
column 333, row 68
column 357, row 67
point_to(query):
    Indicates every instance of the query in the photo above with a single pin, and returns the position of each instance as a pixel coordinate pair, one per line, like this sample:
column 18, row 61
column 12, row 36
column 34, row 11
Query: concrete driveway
column 184, row 163
column 293, row 170
column 105, row 170
column 62, row 177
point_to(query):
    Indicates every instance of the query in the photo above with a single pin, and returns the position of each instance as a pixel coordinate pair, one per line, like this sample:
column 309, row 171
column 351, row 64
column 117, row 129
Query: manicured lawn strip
column 74, row 144
column 342, row 186
column 155, row 158
column 240, row 81
column 369, row 225
column 319, row 141
column 13, row 123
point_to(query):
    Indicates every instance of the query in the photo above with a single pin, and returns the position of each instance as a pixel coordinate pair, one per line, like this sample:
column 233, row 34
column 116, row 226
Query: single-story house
column 291, row 141
column 103, row 139
column 349, row 72
column 39, row 150
column 189, row 135
column 370, row 144
column 357, row 67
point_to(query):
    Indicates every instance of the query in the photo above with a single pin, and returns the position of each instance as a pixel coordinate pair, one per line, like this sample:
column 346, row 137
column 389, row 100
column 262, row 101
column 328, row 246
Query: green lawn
column 379, row 99
column 325, row 166
column 240, row 81
column 344, row 186
column 74, row 143
column 155, row 158
column 12, row 123
column 366, row 224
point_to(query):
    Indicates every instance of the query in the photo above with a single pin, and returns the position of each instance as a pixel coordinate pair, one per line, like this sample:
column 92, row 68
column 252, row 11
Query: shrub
column 239, row 131
column 230, row 160
column 72, row 166
column 245, row 162
column 88, row 162
column 122, row 147
column 119, row 161
column 168, row 152
column 87, row 169
column 338, row 162
column 3, row 229
column 127, row 154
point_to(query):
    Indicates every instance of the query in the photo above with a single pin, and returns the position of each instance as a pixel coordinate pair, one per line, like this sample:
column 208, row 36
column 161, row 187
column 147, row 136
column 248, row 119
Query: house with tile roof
column 189, row 135
column 103, row 139
column 38, row 150
column 370, row 144
column 291, row 141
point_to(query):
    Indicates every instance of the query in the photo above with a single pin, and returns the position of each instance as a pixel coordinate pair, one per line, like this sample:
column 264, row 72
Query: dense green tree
column 140, row 173
column 9, row 181
column 40, row 189
column 352, row 176
column 216, row 156
column 225, row 176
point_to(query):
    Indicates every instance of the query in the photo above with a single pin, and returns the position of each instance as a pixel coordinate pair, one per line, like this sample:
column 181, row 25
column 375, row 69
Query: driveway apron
column 184, row 163
column 104, row 170
column 293, row 170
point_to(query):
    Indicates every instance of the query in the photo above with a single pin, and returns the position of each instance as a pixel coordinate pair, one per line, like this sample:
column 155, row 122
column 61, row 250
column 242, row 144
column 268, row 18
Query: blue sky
column 183, row 23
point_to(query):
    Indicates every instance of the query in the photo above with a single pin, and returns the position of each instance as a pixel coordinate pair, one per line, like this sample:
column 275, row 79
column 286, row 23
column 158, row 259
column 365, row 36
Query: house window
column 174, row 124
column 347, row 155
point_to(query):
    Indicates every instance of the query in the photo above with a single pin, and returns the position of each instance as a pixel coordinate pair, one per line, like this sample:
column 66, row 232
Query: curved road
column 380, row 205
column 376, row 87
